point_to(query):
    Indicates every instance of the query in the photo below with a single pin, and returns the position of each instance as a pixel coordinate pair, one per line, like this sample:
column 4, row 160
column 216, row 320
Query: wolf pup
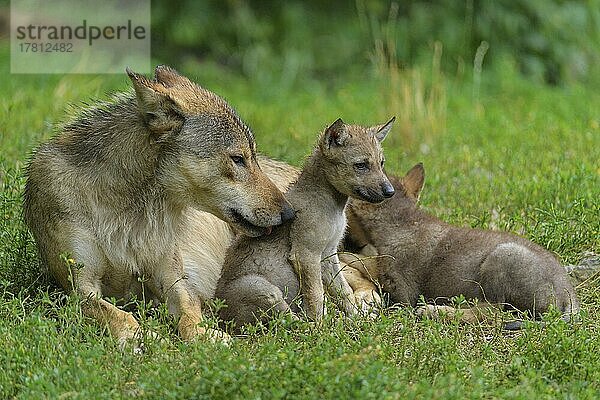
column 204, row 239
column 112, row 189
column 437, row 260
column 265, row 275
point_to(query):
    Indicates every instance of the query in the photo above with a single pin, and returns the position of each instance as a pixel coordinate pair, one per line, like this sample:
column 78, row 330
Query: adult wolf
column 113, row 189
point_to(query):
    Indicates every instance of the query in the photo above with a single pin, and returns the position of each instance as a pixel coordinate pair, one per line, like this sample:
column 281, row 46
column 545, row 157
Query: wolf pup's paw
column 435, row 312
column 350, row 307
column 368, row 302
column 314, row 310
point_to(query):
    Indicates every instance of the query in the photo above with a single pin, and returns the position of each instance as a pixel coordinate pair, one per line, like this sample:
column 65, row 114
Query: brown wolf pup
column 265, row 275
column 113, row 189
column 436, row 260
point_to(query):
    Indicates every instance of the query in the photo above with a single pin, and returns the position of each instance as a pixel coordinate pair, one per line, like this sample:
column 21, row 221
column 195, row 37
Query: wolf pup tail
column 569, row 315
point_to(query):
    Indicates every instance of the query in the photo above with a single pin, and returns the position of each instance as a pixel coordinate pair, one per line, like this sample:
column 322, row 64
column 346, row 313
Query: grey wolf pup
column 114, row 188
column 436, row 260
column 265, row 275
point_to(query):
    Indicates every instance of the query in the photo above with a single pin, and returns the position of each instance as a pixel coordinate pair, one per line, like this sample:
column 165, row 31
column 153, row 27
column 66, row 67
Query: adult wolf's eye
column 382, row 162
column 238, row 160
column 361, row 166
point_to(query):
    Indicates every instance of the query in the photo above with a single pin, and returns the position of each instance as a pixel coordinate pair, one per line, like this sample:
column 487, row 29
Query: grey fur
column 262, row 276
column 438, row 261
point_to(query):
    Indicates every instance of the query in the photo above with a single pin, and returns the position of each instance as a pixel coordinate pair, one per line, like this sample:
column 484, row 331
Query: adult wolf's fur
column 265, row 275
column 437, row 260
column 115, row 187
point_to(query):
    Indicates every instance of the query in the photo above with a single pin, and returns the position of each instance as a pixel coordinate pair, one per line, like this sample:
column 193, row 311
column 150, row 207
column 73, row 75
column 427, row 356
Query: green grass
column 520, row 157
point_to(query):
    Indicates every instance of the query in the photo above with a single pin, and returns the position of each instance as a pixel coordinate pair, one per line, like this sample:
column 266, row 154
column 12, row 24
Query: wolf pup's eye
column 238, row 160
column 361, row 166
column 382, row 162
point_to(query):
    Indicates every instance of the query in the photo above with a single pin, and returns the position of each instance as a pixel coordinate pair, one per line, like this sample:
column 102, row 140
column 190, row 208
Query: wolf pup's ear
column 381, row 131
column 335, row 134
column 414, row 180
column 155, row 104
column 170, row 77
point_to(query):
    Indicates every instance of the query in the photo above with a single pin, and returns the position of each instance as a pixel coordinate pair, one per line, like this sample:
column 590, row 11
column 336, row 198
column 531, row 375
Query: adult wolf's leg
column 121, row 324
column 173, row 286
column 85, row 274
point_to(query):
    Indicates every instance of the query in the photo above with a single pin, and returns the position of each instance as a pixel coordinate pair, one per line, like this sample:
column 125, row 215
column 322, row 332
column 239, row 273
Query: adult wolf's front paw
column 136, row 343
column 189, row 332
column 216, row 336
column 435, row 312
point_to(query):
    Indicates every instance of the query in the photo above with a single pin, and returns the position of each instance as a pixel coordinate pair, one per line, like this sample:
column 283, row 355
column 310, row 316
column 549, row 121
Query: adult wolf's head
column 354, row 160
column 208, row 155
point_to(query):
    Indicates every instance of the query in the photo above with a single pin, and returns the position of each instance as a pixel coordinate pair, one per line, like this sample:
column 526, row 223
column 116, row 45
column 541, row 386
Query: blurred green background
column 286, row 42
column 293, row 41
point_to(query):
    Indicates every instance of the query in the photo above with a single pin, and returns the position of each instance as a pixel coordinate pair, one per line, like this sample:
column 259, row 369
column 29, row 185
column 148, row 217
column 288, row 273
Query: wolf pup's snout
column 288, row 212
column 387, row 189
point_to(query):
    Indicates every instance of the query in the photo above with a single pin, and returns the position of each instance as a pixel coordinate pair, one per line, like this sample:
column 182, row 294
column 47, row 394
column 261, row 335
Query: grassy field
column 505, row 153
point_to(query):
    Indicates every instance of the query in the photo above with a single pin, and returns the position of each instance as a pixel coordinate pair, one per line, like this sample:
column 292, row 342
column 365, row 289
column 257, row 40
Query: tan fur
column 114, row 188
column 360, row 270
column 266, row 274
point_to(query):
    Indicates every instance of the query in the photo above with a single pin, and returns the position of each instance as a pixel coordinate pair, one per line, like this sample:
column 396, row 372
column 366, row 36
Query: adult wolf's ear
column 155, row 103
column 413, row 181
column 335, row 135
column 381, row 131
